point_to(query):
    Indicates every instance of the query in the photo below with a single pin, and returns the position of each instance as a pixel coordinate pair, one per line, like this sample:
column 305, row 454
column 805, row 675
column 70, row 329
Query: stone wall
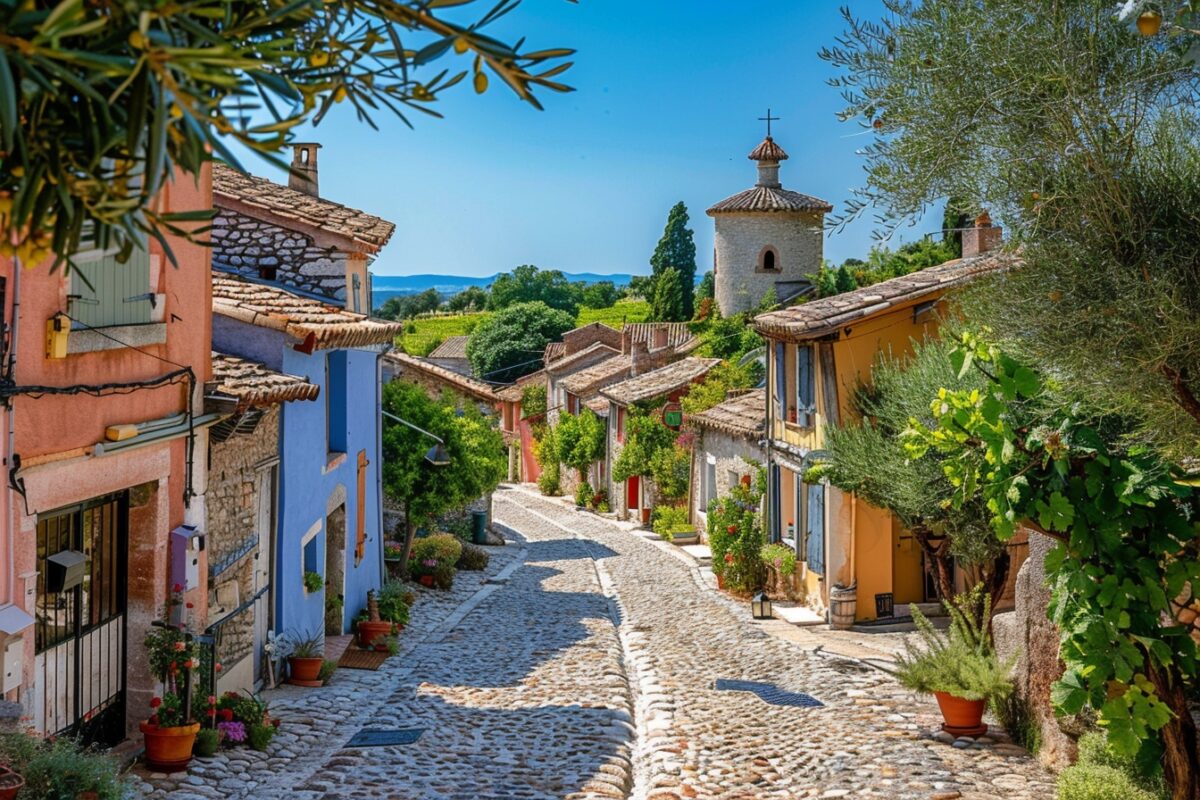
column 234, row 478
column 734, row 456
column 740, row 238
column 261, row 250
column 1027, row 633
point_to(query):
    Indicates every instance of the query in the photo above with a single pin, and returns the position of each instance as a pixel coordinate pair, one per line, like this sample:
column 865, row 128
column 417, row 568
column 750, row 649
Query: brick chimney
column 303, row 175
column 637, row 357
column 981, row 238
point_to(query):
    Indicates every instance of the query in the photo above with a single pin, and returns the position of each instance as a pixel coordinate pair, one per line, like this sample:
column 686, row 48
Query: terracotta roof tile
column 663, row 380
column 586, row 357
column 290, row 204
column 679, row 335
column 819, row 317
column 269, row 306
column 742, row 415
column 513, row 391
column 767, row 150
column 586, row 381
column 453, row 347
column 766, row 198
column 462, row 384
column 598, row 404
column 553, row 351
column 253, row 384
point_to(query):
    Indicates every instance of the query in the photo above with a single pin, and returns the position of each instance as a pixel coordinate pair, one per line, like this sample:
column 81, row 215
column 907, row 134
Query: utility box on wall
column 187, row 543
column 12, row 664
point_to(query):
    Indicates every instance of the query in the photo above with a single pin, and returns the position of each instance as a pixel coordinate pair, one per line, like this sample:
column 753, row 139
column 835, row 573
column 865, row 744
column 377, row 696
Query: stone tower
column 767, row 237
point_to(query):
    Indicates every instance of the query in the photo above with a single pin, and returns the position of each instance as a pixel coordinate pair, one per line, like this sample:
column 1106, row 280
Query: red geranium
column 155, row 702
column 227, row 714
column 731, row 529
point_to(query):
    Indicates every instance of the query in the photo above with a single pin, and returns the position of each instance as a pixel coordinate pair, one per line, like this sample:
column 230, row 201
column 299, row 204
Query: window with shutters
column 806, row 386
column 105, row 292
column 778, row 369
column 815, row 528
column 710, row 481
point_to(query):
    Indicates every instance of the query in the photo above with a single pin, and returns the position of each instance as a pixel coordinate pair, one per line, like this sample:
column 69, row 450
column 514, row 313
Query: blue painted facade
column 320, row 444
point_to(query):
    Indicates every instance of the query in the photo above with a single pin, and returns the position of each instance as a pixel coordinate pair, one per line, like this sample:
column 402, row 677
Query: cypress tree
column 676, row 249
column 667, row 304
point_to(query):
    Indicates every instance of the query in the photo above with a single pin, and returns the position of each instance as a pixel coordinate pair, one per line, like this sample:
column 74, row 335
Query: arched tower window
column 768, row 259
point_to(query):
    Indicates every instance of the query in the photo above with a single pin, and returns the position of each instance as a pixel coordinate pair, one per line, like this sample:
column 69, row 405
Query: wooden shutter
column 776, row 503
column 805, row 386
column 360, row 532
column 780, row 368
column 816, row 528
column 105, row 292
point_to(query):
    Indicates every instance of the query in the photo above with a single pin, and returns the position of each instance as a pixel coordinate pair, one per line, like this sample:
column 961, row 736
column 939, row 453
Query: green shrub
column 328, row 667
column 259, row 735
column 436, row 555
column 959, row 662
column 1015, row 715
column 473, row 559
column 670, row 521
column 313, row 582
column 736, row 537
column 545, row 450
column 781, row 557
column 1094, row 750
column 394, row 600
column 583, row 494
column 1098, row 782
column 60, row 769
column 207, row 742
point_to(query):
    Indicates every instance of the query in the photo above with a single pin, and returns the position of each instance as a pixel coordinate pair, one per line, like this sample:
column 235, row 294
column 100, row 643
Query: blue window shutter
column 780, row 384
column 776, row 504
column 816, row 528
column 805, row 386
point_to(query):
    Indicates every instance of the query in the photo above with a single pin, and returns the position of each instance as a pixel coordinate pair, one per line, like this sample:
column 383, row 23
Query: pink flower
column 212, row 699
column 180, row 647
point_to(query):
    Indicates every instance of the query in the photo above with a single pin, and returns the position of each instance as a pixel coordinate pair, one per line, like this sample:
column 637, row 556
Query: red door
column 632, row 493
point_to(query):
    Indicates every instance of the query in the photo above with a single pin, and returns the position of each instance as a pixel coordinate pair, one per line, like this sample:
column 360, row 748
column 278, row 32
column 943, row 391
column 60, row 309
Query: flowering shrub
column 436, row 555
column 173, row 656
column 232, row 731
column 736, row 537
column 781, row 557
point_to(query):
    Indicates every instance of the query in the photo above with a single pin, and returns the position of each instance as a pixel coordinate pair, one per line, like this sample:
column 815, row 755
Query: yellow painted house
column 819, row 352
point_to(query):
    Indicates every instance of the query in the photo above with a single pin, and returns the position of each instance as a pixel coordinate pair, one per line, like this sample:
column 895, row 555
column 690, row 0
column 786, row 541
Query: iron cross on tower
column 769, row 119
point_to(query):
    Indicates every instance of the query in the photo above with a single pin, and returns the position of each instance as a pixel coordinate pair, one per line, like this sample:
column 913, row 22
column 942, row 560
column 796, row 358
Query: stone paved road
column 588, row 673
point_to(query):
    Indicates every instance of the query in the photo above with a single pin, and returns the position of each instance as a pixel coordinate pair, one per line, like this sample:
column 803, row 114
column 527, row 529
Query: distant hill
column 385, row 286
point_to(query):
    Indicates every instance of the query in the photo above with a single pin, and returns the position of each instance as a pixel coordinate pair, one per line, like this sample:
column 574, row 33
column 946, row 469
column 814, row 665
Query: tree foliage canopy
column 509, row 343
column 472, row 298
column 580, row 439
column 1078, row 133
column 1129, row 543
column 667, row 297
column 100, row 102
column 677, row 250
column 528, row 284
column 645, row 435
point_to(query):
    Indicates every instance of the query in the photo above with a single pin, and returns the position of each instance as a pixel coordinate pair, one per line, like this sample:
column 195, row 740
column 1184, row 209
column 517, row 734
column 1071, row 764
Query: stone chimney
column 637, row 358
column 303, row 175
column 981, row 238
column 660, row 337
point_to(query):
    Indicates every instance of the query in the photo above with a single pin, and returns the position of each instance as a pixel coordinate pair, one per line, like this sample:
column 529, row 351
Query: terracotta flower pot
column 169, row 749
column 963, row 717
column 369, row 631
column 426, row 580
column 10, row 783
column 304, row 671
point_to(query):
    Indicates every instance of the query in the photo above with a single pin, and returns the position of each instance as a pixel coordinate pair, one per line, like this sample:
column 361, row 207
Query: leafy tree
column 533, row 400
column 677, row 250
column 508, row 344
column 1128, row 543
column 580, row 440
column 867, row 456
column 707, row 288
column 528, row 284
column 601, row 294
column 472, row 298
column 545, row 450
column 1086, row 148
column 641, row 286
column 667, row 304
column 478, row 458
column 406, row 306
column 101, row 102
column 713, row 390
column 730, row 338
column 645, row 435
column 843, row 281
column 671, row 470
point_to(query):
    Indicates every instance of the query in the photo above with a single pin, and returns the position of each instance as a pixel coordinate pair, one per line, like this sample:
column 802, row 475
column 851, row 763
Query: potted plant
column 958, row 667
column 374, row 630
column 169, row 732
column 305, row 659
column 313, row 582
column 393, row 557
column 10, row 783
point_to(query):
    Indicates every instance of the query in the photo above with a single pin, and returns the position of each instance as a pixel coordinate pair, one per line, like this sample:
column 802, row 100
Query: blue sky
column 666, row 107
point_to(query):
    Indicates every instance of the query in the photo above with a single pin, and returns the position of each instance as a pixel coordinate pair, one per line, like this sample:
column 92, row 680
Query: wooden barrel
column 842, row 603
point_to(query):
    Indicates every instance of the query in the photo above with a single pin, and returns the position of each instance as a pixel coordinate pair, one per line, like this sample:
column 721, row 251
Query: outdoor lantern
column 760, row 606
column 65, row 570
column 437, row 456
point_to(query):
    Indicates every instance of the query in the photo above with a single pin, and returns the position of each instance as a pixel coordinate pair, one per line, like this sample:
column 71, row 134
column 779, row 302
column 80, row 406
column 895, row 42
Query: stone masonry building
column 728, row 447
column 767, row 238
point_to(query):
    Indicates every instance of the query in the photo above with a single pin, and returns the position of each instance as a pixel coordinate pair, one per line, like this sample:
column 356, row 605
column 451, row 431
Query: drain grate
column 769, row 693
column 384, row 738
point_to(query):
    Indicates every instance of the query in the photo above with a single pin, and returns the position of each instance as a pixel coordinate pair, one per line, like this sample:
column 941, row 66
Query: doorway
column 264, row 563
column 80, row 630
column 335, row 569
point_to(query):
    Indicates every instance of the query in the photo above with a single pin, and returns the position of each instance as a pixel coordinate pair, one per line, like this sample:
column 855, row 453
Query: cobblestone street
column 582, row 665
